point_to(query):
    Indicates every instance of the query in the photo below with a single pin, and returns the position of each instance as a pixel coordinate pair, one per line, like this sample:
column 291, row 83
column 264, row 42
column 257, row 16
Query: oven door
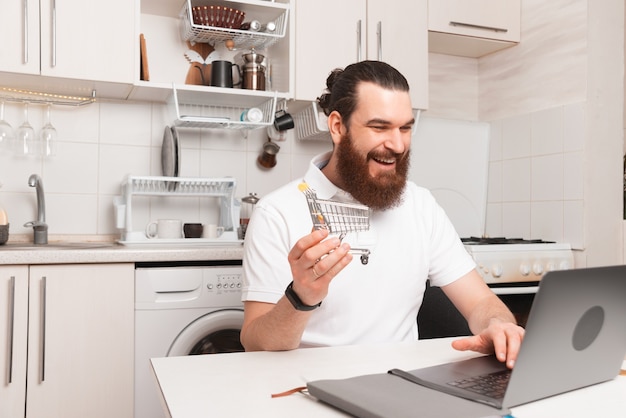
column 518, row 297
column 439, row 318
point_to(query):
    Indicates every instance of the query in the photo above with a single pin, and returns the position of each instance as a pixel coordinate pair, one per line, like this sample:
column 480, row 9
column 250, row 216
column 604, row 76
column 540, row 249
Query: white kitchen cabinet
column 473, row 28
column 75, row 39
column 80, row 340
column 332, row 34
column 13, row 339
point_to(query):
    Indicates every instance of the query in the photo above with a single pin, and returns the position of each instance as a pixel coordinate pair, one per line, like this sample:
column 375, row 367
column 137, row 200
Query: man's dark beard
column 379, row 193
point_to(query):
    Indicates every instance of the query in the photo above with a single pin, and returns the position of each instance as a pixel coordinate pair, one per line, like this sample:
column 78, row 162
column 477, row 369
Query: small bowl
column 4, row 233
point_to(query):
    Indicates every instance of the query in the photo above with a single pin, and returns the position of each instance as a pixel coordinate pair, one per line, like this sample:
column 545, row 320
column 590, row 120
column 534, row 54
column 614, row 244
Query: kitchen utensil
column 338, row 217
column 254, row 114
column 222, row 73
column 165, row 228
column 48, row 136
column 267, row 159
column 170, row 155
column 213, row 231
column 6, row 131
column 25, row 138
column 193, row 230
column 4, row 234
column 283, row 121
column 253, row 72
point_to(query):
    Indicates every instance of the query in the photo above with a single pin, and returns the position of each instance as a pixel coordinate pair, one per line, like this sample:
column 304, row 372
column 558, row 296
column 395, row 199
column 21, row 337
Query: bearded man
column 302, row 288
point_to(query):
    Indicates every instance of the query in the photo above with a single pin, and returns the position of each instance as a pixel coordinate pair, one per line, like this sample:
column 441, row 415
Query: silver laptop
column 575, row 337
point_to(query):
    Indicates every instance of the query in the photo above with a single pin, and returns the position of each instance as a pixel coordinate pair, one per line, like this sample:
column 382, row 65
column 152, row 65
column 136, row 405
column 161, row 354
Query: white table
column 241, row 384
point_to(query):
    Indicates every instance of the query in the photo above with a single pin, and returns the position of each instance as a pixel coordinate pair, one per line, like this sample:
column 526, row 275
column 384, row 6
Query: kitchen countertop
column 75, row 253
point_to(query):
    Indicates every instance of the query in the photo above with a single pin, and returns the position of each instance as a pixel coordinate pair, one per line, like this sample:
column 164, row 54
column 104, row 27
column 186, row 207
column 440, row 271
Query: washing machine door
column 216, row 332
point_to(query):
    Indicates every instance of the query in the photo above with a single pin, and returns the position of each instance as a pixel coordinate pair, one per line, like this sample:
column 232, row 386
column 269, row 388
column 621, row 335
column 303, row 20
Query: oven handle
column 515, row 290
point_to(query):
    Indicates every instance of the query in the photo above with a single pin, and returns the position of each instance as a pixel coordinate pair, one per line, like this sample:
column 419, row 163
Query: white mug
column 212, row 231
column 165, row 228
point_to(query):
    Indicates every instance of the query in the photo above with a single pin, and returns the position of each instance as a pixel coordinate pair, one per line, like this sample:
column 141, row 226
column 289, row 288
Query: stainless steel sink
column 29, row 246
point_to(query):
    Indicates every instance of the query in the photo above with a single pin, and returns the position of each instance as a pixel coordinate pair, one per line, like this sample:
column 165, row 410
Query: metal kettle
column 253, row 72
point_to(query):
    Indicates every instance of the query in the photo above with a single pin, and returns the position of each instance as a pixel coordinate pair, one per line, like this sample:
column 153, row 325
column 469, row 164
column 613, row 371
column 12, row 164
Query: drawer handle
column 470, row 25
column 42, row 365
column 11, row 329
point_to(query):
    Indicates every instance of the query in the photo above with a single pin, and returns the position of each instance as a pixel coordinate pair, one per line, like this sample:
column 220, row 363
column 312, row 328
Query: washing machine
column 182, row 309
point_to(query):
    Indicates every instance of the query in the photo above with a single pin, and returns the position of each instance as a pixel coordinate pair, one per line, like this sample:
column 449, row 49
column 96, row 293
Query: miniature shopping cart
column 338, row 217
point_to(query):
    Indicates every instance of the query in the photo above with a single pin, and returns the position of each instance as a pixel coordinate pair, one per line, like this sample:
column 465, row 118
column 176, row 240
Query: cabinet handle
column 379, row 39
column 358, row 41
column 25, row 32
column 470, row 25
column 11, row 328
column 54, row 33
column 42, row 366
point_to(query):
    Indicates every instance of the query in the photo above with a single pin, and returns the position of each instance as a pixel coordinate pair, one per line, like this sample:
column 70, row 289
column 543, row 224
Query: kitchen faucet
column 40, row 228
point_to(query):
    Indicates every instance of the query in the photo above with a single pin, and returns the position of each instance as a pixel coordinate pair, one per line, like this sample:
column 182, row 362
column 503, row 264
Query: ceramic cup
column 213, row 231
column 165, row 228
column 192, row 230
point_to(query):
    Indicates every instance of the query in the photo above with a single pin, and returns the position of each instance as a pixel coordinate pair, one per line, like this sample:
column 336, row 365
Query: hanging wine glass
column 6, row 131
column 25, row 138
column 48, row 136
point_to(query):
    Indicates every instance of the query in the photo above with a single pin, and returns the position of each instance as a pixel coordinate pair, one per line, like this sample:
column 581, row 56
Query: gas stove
column 508, row 261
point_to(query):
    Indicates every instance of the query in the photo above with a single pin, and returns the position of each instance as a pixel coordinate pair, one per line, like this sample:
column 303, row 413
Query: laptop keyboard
column 492, row 384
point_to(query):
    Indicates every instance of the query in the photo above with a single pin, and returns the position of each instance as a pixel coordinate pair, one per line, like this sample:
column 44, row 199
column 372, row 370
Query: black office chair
column 438, row 317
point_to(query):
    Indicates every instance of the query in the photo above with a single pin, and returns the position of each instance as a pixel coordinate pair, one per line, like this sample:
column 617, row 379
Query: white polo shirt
column 375, row 302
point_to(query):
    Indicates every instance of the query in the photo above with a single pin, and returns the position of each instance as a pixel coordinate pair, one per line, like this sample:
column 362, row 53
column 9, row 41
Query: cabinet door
column 398, row 34
column 326, row 38
column 81, row 337
column 19, row 49
column 88, row 40
column 13, row 325
column 491, row 19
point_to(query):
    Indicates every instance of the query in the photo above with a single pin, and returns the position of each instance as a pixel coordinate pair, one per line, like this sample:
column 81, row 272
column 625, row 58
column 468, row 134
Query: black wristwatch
column 295, row 300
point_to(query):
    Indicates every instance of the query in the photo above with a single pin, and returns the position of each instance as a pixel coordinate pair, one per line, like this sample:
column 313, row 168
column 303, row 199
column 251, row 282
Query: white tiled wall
column 101, row 143
column 536, row 175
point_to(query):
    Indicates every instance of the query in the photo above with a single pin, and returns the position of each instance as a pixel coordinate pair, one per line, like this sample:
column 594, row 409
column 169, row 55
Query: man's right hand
column 314, row 262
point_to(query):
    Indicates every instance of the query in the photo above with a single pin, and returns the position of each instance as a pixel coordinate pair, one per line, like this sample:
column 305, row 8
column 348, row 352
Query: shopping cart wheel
column 365, row 259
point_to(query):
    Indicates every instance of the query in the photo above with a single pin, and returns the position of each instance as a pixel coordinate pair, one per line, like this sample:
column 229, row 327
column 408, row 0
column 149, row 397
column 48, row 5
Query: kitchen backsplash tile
column 516, row 220
column 546, row 220
column 573, row 176
column 516, row 180
column 541, row 190
column 546, row 177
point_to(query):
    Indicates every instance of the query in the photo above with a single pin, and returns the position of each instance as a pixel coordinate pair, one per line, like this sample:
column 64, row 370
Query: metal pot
column 253, row 72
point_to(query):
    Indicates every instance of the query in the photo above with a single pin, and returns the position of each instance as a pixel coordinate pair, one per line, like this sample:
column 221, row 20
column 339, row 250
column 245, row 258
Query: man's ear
column 336, row 126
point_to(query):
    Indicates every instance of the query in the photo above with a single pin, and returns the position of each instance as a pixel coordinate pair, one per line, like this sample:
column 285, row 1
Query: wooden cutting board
column 145, row 73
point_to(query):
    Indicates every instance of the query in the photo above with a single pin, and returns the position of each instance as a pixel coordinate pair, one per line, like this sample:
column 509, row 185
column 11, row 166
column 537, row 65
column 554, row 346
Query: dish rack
column 191, row 110
column 222, row 188
column 311, row 124
column 244, row 39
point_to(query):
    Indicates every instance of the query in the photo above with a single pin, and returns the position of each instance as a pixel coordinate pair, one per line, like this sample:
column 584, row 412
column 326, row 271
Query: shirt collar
column 318, row 181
